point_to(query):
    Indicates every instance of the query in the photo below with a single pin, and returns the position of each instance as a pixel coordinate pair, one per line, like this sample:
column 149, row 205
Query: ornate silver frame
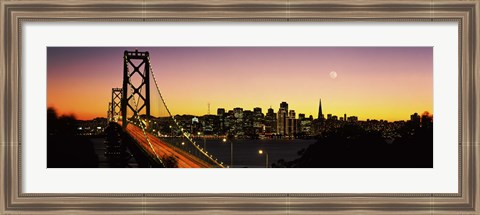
column 15, row 12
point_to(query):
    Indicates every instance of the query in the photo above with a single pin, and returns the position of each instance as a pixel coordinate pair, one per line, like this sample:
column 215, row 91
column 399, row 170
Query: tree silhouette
column 64, row 147
column 351, row 146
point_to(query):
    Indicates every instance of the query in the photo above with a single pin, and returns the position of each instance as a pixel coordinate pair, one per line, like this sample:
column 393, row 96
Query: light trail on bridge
column 161, row 151
column 184, row 160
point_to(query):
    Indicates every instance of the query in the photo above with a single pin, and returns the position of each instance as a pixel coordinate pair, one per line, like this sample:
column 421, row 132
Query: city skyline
column 386, row 83
column 313, row 116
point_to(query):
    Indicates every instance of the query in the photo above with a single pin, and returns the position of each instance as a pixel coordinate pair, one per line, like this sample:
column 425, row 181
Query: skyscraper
column 258, row 111
column 286, row 122
column 221, row 117
column 271, row 121
column 238, row 112
column 220, row 112
column 271, row 113
column 291, row 123
column 282, row 120
column 320, row 114
column 301, row 116
column 284, row 105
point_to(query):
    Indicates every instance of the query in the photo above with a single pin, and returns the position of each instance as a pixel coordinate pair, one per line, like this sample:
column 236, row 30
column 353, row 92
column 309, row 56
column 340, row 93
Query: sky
column 389, row 83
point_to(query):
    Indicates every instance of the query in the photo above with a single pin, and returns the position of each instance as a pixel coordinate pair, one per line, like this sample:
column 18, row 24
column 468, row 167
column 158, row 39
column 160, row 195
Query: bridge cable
column 140, row 121
column 214, row 160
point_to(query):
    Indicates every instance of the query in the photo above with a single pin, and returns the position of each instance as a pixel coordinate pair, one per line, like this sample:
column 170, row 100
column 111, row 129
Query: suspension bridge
column 160, row 141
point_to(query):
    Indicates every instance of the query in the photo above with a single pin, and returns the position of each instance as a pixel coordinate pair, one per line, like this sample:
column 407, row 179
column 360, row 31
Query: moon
column 333, row 74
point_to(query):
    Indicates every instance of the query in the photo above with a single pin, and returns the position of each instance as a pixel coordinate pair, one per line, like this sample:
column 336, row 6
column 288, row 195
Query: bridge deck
column 184, row 160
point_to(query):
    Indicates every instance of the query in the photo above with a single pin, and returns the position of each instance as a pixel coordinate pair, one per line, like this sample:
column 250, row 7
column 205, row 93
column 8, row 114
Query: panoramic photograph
column 240, row 107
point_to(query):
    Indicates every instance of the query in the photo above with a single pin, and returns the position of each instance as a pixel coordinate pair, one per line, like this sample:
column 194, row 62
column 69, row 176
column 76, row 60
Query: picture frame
column 14, row 13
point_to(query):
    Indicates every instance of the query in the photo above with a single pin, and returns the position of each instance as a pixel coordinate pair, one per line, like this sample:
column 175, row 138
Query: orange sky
column 372, row 82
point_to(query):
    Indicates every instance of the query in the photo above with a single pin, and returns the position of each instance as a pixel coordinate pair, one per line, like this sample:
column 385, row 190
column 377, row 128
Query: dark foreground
column 347, row 147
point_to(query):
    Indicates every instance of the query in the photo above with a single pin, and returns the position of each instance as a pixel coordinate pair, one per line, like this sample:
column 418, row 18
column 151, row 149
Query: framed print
column 304, row 107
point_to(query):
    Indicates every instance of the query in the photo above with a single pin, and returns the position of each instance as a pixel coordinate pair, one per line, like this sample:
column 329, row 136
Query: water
column 245, row 152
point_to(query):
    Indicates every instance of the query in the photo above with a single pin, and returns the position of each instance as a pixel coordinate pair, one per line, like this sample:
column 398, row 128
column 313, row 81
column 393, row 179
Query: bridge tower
column 109, row 112
column 137, row 60
column 116, row 103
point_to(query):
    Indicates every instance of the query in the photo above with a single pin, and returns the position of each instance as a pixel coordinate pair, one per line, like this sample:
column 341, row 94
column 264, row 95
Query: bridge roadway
column 184, row 160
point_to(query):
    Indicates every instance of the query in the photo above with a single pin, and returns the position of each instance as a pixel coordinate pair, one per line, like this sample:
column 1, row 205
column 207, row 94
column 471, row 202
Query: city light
column 247, row 122
column 261, row 152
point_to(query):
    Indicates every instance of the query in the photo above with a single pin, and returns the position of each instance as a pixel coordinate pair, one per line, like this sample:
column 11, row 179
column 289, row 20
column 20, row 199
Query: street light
column 266, row 157
column 231, row 151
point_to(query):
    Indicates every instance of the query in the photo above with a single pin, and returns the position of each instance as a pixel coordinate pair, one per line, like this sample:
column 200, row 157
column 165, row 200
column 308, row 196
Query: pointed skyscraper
column 320, row 114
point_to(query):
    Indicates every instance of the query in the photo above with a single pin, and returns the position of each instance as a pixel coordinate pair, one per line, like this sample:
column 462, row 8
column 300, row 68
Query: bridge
column 155, row 141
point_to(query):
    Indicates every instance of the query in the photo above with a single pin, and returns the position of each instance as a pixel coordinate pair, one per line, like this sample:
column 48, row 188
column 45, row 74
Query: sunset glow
column 387, row 83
